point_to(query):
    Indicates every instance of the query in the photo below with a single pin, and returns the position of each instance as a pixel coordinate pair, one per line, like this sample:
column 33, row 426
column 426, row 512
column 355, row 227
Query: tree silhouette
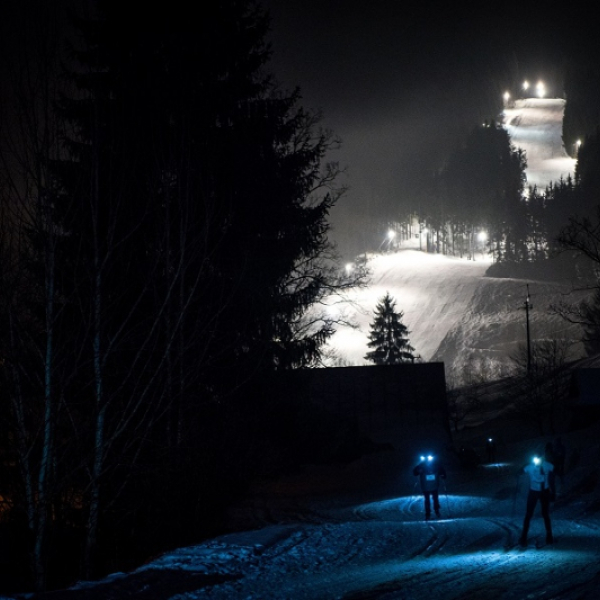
column 164, row 241
column 389, row 336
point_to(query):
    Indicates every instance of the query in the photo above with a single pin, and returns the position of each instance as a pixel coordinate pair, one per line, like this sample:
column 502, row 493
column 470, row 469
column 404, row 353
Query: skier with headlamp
column 540, row 474
column 429, row 472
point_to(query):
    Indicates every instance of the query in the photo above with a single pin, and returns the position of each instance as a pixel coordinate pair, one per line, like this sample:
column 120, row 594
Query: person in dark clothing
column 430, row 471
column 540, row 476
column 491, row 450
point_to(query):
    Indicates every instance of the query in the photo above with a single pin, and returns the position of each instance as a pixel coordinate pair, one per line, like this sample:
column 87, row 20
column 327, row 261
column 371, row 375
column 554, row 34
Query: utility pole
column 528, row 307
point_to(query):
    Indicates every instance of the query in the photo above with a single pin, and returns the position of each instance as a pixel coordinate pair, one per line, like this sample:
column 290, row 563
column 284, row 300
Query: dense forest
column 164, row 242
column 479, row 201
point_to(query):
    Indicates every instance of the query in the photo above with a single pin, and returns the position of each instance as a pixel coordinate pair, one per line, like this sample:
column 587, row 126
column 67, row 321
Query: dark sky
column 400, row 82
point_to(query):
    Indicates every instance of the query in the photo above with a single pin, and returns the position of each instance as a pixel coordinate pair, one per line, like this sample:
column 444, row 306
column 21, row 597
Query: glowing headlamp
column 536, row 460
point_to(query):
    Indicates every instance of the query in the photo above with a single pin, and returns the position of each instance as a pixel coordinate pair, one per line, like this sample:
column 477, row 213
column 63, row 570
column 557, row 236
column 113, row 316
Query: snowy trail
column 372, row 542
column 383, row 549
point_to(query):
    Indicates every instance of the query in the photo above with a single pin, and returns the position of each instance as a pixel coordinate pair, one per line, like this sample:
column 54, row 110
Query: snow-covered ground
column 356, row 531
column 454, row 312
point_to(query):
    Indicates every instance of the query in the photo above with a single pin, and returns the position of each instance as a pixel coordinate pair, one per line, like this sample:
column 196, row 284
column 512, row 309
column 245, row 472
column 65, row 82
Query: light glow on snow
column 540, row 89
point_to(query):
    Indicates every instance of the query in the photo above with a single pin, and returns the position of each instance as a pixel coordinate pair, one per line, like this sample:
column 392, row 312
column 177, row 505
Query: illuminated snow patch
column 498, row 466
column 454, row 570
column 412, row 507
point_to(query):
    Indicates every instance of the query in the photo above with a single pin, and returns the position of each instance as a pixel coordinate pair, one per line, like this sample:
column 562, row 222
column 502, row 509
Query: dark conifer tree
column 483, row 185
column 389, row 336
column 587, row 171
column 582, row 114
column 196, row 135
column 194, row 210
column 537, row 229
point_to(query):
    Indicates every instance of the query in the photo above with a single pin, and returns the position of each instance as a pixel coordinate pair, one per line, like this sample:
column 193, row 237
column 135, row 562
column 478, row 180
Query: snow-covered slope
column 535, row 125
column 452, row 310
column 432, row 291
column 455, row 314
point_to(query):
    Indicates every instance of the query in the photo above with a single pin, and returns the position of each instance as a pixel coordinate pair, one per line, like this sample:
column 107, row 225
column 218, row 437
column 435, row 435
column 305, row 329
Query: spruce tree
column 389, row 336
column 482, row 186
column 189, row 246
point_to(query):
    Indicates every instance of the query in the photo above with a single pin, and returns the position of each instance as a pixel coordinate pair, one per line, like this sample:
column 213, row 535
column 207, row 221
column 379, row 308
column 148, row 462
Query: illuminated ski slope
column 452, row 311
column 432, row 291
column 535, row 125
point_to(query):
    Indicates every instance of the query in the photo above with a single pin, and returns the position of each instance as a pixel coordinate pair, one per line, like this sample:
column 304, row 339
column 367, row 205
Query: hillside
column 457, row 314
column 455, row 310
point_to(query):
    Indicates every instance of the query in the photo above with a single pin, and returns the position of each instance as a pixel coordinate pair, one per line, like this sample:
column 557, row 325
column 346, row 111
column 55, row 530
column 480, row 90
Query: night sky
column 400, row 83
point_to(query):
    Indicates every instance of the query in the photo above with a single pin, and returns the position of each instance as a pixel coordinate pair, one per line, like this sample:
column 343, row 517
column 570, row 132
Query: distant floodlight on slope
column 391, row 234
column 482, row 236
column 540, row 89
column 525, row 85
column 506, row 96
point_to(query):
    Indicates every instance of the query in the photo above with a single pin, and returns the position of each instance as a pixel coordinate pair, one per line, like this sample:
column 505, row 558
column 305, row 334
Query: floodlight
column 541, row 89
